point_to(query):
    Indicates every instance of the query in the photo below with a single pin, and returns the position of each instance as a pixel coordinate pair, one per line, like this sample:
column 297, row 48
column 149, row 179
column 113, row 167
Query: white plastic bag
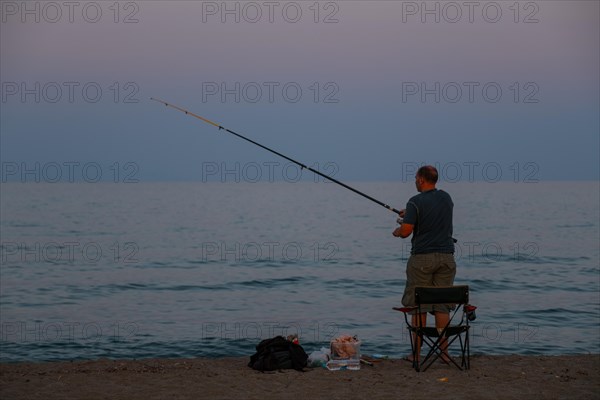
column 319, row 358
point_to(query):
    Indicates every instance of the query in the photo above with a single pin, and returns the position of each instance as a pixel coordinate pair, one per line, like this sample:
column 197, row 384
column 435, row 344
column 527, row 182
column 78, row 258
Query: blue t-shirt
column 431, row 215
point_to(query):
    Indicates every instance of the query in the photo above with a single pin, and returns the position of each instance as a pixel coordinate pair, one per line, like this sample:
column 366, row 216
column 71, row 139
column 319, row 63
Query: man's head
column 426, row 178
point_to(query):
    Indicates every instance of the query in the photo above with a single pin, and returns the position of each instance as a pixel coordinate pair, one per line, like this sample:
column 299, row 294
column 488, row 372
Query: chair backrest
column 442, row 294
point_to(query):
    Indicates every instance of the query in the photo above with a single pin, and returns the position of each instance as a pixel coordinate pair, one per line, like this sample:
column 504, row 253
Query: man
column 428, row 217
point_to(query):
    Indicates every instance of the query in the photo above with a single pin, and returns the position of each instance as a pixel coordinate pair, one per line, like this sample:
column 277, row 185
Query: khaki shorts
column 434, row 269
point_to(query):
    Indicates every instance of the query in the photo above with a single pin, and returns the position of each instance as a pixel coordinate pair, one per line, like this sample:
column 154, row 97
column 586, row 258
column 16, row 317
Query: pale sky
column 372, row 87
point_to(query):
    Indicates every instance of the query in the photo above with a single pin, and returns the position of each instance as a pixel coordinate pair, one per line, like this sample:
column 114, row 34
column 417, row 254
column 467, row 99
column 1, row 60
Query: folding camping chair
column 457, row 297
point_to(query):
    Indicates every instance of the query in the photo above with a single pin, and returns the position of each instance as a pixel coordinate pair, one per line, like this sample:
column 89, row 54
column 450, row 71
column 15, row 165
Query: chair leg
column 436, row 351
column 412, row 345
column 465, row 350
column 418, row 320
column 463, row 360
column 468, row 348
column 417, row 360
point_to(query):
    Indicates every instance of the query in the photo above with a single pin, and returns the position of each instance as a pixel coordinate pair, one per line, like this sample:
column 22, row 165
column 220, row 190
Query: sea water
column 209, row 269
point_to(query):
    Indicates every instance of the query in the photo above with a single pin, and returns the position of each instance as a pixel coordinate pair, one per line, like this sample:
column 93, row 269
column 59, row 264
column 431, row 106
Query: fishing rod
column 302, row 166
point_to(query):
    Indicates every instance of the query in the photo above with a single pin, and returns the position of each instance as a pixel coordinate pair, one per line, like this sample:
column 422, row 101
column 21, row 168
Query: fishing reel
column 400, row 220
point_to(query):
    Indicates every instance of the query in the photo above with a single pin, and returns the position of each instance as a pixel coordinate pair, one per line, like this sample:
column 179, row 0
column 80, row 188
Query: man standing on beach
column 428, row 217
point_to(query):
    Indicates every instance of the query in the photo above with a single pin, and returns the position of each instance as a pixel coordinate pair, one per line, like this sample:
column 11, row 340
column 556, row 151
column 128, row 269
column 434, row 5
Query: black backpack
column 278, row 353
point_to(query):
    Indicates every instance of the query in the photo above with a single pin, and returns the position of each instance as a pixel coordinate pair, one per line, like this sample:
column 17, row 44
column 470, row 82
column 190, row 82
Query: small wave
column 19, row 224
column 555, row 311
column 271, row 283
column 583, row 225
column 490, row 285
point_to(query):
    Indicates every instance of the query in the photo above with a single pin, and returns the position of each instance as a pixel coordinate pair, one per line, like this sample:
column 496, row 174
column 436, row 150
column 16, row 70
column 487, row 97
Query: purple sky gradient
column 370, row 55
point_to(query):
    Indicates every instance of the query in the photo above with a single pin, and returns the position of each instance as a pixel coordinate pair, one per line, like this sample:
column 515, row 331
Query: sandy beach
column 490, row 377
